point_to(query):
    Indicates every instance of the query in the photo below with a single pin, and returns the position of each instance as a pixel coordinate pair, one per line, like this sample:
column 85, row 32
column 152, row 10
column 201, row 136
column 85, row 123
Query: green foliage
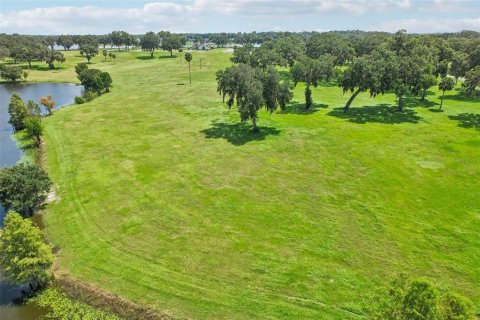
column 252, row 89
column 90, row 95
column 33, row 109
column 312, row 72
column 188, row 56
column 24, row 255
column 472, row 80
column 51, row 56
column 321, row 44
column 93, row 79
column 11, row 73
column 89, row 49
column 34, row 128
column 446, row 84
column 23, row 188
column 61, row 307
column 17, row 111
column 420, row 300
column 79, row 100
column 170, row 41
column 65, row 41
column 149, row 42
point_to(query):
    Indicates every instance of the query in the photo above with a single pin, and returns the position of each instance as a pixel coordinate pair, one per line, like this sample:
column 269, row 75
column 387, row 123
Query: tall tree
column 23, row 188
column 312, row 72
column 188, row 58
column 472, row 80
column 251, row 89
column 150, row 41
column 24, row 255
column 51, row 56
column 170, row 41
column 446, row 84
column 367, row 73
column 33, row 126
column 17, row 111
column 89, row 50
column 460, row 65
column 65, row 41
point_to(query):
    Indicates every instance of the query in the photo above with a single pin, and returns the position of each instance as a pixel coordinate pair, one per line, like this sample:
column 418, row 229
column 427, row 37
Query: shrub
column 12, row 73
column 79, row 100
column 23, row 188
column 89, row 95
column 24, row 255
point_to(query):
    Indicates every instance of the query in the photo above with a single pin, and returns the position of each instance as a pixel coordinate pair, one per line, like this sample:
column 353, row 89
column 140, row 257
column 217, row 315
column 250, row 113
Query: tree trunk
column 171, row 53
column 349, row 102
column 424, row 92
column 308, row 97
column 441, row 101
column 189, row 73
column 254, row 123
column 400, row 102
column 29, row 64
column 151, row 53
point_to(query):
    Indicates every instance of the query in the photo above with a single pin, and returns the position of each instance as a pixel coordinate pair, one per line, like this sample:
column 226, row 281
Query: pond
column 64, row 94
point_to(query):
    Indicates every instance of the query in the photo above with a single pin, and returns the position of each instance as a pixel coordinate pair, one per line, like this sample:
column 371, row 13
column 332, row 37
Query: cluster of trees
column 119, row 39
column 28, row 49
column 29, row 116
column 420, row 299
column 25, row 256
column 252, row 89
column 162, row 40
column 370, row 62
column 93, row 79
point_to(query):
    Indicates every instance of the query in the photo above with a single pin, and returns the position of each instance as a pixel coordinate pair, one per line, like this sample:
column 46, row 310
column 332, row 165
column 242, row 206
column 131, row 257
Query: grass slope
column 166, row 199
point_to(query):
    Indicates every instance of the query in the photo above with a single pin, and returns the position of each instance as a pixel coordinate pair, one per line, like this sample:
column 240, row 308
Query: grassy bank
column 167, row 200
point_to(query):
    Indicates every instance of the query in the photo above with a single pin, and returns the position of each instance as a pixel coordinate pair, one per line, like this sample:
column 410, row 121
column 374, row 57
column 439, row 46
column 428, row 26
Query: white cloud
column 92, row 19
column 201, row 15
column 430, row 25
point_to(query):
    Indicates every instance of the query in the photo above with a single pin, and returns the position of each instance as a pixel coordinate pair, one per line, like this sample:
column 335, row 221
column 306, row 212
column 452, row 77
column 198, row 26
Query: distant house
column 203, row 46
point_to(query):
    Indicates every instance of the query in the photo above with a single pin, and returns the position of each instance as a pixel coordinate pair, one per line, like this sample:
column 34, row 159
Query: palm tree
column 189, row 57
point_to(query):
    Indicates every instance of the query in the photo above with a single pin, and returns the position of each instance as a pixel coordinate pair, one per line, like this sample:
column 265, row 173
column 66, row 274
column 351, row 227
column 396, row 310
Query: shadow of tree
column 144, row 57
column 238, row 133
column 382, row 113
column 168, row 57
column 296, row 107
column 462, row 96
column 467, row 120
column 411, row 102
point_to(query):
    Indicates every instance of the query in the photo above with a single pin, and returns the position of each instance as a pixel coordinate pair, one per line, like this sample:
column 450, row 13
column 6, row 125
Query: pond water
column 64, row 94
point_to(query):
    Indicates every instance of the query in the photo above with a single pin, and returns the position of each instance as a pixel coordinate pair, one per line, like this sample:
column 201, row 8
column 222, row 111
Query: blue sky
column 135, row 16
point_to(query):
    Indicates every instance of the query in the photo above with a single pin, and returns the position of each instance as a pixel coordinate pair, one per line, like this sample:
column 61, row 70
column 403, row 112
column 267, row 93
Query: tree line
column 403, row 64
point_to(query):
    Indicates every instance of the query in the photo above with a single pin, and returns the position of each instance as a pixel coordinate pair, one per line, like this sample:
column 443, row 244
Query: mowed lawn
column 167, row 200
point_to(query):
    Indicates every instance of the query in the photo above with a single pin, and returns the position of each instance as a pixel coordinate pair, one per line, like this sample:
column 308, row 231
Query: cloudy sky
column 136, row 16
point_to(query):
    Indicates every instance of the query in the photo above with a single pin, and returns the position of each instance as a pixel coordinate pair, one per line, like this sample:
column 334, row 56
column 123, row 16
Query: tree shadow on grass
column 168, row 57
column 382, row 113
column 411, row 102
column 144, row 58
column 467, row 120
column 463, row 96
column 238, row 133
column 296, row 107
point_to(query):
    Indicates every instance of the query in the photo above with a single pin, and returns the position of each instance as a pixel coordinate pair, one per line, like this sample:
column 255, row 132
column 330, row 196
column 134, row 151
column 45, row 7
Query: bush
column 12, row 73
column 24, row 255
column 421, row 300
column 89, row 96
column 60, row 306
column 23, row 188
column 79, row 100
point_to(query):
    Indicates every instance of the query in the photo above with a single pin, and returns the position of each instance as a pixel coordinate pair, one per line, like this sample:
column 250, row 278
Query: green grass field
column 167, row 200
